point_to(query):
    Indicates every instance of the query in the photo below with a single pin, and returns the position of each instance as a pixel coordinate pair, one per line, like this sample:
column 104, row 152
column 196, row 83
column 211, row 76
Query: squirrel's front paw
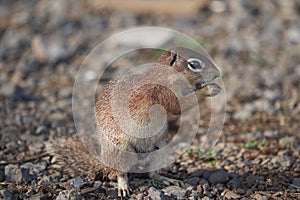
column 213, row 90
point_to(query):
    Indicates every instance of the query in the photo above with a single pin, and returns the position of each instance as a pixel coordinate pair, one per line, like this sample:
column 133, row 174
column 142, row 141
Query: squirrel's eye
column 195, row 65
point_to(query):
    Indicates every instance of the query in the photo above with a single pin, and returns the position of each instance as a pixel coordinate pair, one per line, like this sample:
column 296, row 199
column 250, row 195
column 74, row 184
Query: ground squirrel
column 195, row 67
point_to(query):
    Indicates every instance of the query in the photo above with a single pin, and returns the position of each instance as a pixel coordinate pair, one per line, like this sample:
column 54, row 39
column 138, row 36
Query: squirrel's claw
column 124, row 190
column 123, row 186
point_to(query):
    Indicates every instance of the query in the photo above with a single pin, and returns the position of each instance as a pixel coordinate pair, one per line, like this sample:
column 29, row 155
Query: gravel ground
column 255, row 43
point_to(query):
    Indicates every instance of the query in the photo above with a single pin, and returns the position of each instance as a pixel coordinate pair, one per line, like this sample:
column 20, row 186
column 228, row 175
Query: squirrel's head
column 197, row 68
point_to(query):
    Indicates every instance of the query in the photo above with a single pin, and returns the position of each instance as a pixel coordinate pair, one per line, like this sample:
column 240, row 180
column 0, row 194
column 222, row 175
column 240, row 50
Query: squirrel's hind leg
column 123, row 185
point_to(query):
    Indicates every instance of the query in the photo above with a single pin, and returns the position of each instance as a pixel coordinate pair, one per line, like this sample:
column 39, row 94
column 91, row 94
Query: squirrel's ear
column 168, row 58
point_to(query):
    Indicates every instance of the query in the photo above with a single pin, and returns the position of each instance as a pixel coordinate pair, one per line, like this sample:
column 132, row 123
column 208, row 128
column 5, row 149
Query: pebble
column 45, row 180
column 24, row 173
column 251, row 180
column 234, row 183
column 287, row 142
column 76, row 182
column 241, row 191
column 203, row 181
column 63, row 195
column 244, row 113
column 271, row 134
column 48, row 49
column 176, row 191
column 69, row 195
column 13, row 173
column 205, row 198
column 41, row 130
column 2, row 173
column 296, row 181
column 20, row 94
column 220, row 176
column 263, row 105
column 230, row 195
column 7, row 195
column 154, row 193
column 192, row 181
column 34, row 168
column 112, row 193
column 39, row 196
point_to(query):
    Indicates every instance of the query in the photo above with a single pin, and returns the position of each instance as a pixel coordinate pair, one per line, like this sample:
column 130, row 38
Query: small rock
column 271, row 134
column 140, row 196
column 230, row 195
column 241, row 191
column 154, row 193
column 2, row 174
column 234, row 183
column 76, row 182
column 112, row 193
column 203, row 181
column 249, row 192
column 41, row 130
column 48, row 50
column 220, row 176
column 296, row 181
column 176, row 191
column 219, row 187
column 251, row 180
column 192, row 181
column 13, row 173
column 30, row 171
column 293, row 36
column 35, row 147
column 205, row 175
column 45, row 180
column 21, row 94
column 7, row 195
column 39, row 196
column 259, row 197
column 63, row 195
column 69, row 195
column 205, row 198
column 263, row 105
column 286, row 142
column 27, row 176
column 196, row 173
column 244, row 113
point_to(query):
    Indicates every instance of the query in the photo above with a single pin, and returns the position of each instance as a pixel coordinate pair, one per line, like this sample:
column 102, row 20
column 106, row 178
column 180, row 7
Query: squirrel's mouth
column 201, row 84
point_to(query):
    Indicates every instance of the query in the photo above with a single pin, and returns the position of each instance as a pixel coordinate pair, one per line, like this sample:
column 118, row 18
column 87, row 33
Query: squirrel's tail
column 75, row 159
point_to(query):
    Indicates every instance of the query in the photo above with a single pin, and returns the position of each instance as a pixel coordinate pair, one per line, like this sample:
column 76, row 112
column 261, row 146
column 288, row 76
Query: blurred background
column 256, row 44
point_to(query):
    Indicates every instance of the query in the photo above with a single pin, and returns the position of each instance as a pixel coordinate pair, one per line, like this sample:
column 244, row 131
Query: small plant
column 188, row 152
column 210, row 156
column 251, row 144
column 255, row 144
column 213, row 162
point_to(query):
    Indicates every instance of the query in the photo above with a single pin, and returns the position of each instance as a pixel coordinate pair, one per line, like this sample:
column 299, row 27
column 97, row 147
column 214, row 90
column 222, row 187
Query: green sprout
column 255, row 144
column 210, row 156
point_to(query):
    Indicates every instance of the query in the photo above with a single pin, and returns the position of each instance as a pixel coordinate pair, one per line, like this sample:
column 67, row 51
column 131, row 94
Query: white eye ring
column 195, row 65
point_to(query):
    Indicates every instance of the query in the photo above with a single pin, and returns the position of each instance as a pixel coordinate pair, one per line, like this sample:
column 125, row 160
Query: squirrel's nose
column 218, row 74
